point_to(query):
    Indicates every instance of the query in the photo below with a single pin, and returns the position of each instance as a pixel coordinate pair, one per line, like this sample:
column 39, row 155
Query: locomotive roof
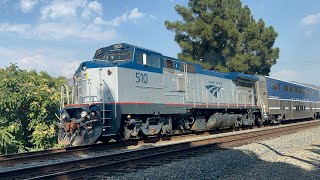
column 128, row 46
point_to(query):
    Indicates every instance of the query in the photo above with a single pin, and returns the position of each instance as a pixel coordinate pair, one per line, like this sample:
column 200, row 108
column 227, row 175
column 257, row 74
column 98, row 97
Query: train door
column 282, row 105
column 290, row 110
column 310, row 107
column 262, row 95
column 189, row 83
column 182, row 78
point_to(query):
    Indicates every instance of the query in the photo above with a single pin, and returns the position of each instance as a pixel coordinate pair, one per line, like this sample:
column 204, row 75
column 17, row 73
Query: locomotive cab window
column 119, row 56
column 150, row 60
column 169, row 64
column 139, row 58
column 177, row 65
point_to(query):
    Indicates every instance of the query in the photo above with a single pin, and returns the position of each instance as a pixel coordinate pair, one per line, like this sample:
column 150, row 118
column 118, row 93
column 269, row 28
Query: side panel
column 174, row 87
column 136, row 86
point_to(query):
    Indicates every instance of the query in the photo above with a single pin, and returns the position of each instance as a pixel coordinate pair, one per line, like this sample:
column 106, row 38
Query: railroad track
column 131, row 160
column 41, row 156
column 10, row 160
column 27, row 157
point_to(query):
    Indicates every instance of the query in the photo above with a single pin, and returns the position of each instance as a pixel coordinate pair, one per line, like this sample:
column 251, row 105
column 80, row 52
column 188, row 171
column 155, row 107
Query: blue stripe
column 129, row 65
column 244, row 77
column 94, row 64
column 213, row 73
column 133, row 65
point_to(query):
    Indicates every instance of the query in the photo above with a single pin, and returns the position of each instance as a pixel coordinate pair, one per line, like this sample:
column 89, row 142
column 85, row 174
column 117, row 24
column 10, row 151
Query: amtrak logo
column 213, row 89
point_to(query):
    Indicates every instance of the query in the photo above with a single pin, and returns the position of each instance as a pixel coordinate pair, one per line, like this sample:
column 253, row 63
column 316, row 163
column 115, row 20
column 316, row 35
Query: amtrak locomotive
column 129, row 92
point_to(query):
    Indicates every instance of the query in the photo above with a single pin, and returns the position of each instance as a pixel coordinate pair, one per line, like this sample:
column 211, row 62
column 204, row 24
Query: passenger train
column 128, row 92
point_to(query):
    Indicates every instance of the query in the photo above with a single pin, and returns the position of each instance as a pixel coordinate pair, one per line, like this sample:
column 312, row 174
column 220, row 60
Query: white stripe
column 274, row 107
column 290, row 100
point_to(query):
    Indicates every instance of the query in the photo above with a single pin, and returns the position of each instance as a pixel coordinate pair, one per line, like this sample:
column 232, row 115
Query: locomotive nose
column 80, row 135
column 88, row 134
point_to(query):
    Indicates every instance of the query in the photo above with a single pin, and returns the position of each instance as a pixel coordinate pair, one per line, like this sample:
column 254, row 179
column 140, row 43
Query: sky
column 57, row 35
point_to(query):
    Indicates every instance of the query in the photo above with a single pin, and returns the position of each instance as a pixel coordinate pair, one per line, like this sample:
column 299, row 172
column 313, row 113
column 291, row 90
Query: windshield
column 114, row 55
column 117, row 52
column 119, row 56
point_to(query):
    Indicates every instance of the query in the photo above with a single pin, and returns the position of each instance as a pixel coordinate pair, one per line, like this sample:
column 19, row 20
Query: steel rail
column 82, row 167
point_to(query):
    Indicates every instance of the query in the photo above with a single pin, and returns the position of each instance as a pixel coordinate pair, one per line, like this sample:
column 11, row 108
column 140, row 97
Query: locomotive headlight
column 83, row 114
column 84, row 67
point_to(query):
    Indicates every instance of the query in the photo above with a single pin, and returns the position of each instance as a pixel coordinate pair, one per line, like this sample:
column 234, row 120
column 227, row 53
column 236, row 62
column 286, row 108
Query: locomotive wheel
column 259, row 122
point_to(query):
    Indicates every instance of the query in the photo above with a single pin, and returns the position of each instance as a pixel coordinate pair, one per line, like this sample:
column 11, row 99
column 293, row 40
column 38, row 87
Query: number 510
column 141, row 78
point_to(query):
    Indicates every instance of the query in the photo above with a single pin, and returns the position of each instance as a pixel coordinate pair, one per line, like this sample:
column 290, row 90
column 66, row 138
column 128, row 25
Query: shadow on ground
column 235, row 164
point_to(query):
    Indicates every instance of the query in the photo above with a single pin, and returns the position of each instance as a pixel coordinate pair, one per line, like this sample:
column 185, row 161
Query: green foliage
column 225, row 35
column 28, row 103
column 8, row 141
column 43, row 136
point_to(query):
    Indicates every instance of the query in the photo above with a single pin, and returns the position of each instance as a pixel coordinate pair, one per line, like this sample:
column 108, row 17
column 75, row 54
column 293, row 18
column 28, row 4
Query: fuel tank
column 221, row 121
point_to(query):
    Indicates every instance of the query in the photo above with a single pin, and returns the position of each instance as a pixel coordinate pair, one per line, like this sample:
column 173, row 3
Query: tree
column 224, row 34
column 28, row 103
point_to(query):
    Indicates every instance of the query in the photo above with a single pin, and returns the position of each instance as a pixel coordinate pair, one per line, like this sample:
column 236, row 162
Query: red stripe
column 81, row 104
column 169, row 104
column 180, row 104
column 130, row 103
column 176, row 104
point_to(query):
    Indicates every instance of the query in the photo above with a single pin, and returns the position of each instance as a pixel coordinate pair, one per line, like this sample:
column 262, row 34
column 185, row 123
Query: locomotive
column 128, row 92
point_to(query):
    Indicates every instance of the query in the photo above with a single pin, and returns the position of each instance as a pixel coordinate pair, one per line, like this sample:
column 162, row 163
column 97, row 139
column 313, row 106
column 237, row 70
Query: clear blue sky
column 56, row 35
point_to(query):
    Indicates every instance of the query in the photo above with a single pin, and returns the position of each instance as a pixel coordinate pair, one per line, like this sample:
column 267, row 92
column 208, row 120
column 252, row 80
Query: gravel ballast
column 294, row 156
